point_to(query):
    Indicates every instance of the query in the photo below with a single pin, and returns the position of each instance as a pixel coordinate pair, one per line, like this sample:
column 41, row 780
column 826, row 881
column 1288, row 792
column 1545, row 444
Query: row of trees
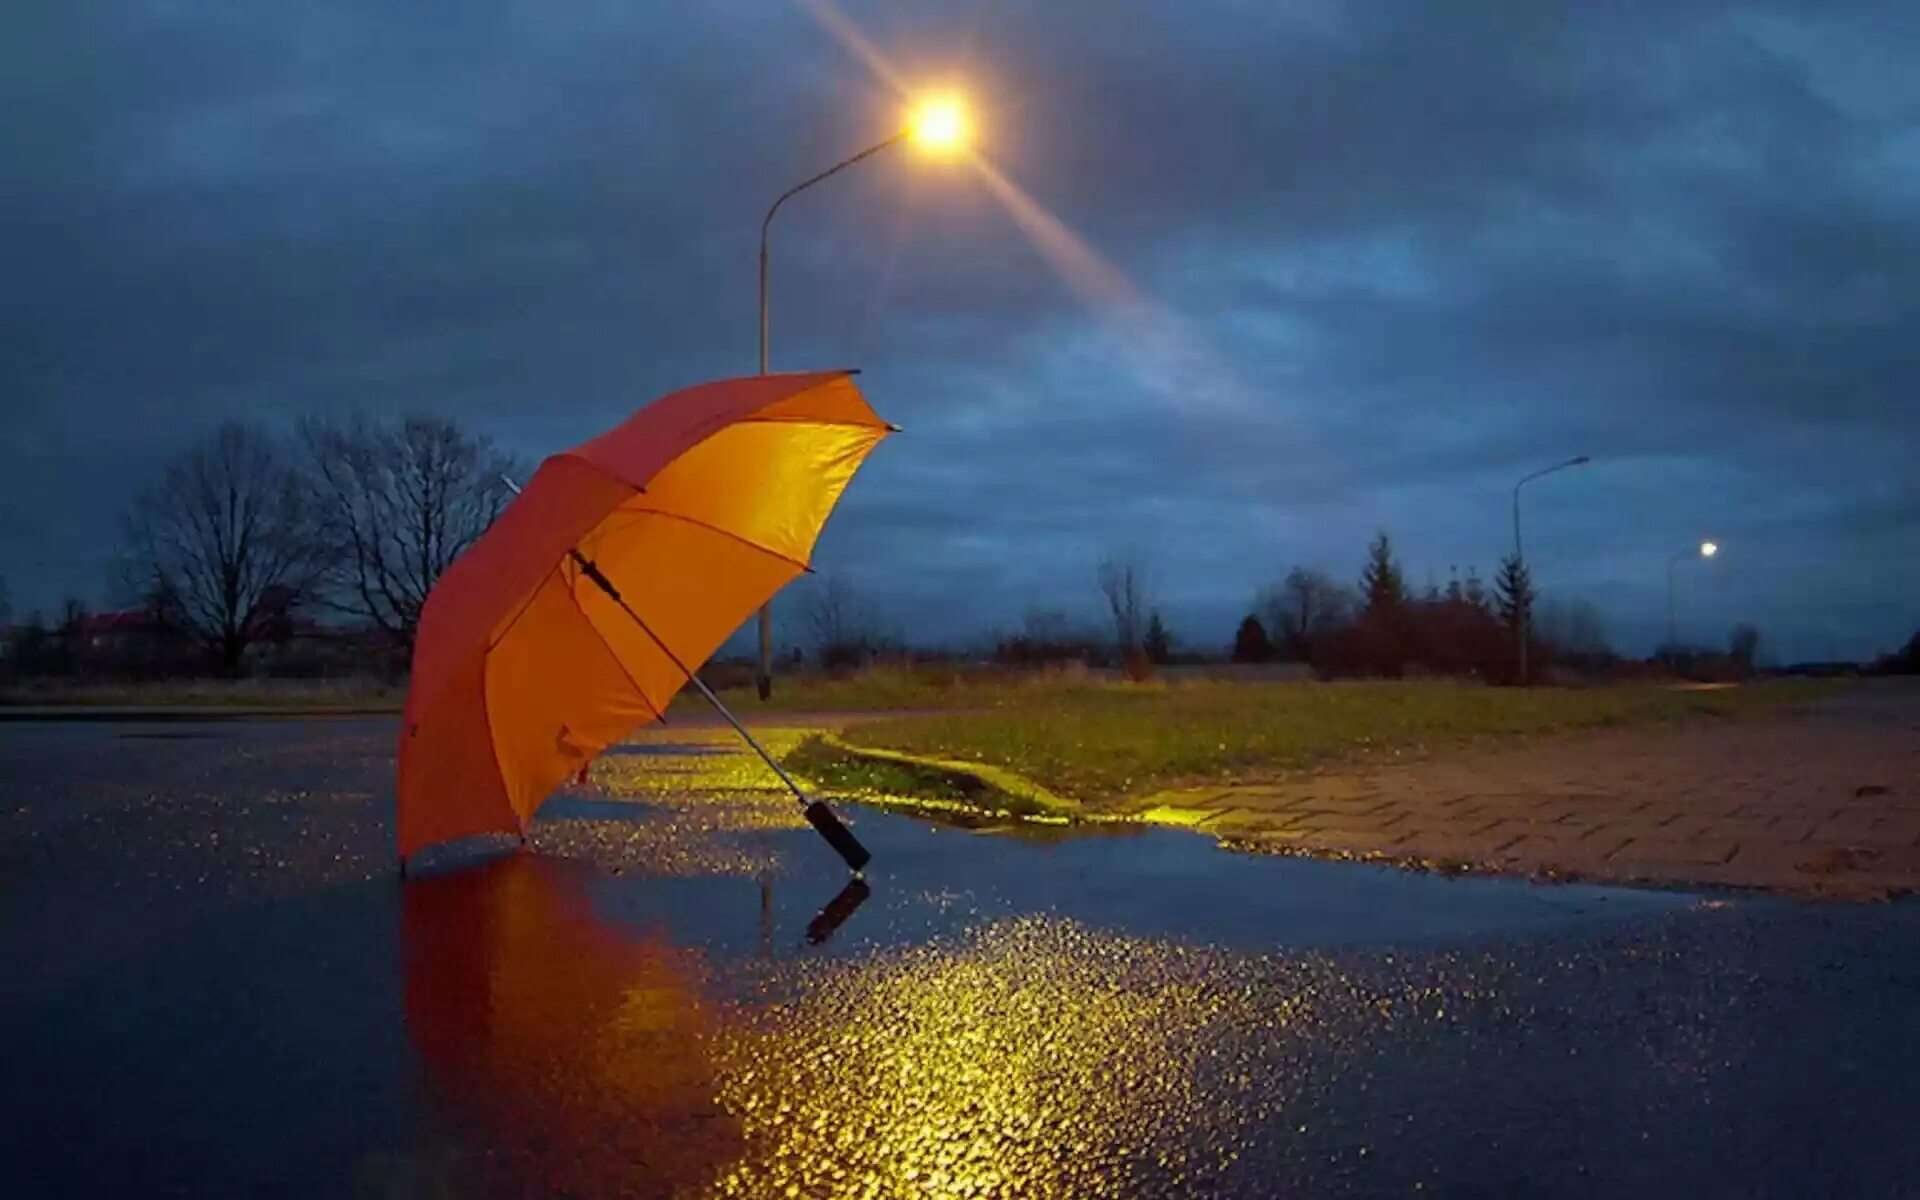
column 1382, row 628
column 1379, row 627
column 251, row 529
column 843, row 628
column 1904, row 661
column 1465, row 628
column 252, row 532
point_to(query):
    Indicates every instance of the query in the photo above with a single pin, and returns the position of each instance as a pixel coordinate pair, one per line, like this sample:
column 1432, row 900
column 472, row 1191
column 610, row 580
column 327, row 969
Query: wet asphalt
column 212, row 982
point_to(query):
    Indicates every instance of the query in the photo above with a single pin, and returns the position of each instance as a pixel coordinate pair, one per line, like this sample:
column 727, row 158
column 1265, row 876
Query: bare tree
column 1123, row 582
column 1306, row 604
column 223, row 536
column 397, row 504
column 1050, row 636
column 843, row 626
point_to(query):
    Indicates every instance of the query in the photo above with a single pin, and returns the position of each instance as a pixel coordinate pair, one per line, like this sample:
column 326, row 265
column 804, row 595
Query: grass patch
column 1101, row 744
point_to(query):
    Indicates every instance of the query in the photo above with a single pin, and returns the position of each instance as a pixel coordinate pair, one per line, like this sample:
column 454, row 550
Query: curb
column 1057, row 808
column 112, row 713
column 1052, row 805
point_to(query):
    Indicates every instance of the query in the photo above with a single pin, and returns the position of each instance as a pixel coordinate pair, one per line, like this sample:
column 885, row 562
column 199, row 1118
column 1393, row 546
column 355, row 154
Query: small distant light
column 1708, row 549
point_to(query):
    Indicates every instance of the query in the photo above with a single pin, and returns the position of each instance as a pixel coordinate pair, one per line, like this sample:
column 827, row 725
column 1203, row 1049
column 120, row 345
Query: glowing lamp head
column 1708, row 549
column 939, row 124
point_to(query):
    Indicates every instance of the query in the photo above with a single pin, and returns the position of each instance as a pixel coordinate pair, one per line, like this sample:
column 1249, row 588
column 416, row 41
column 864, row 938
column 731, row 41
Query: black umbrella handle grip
column 837, row 835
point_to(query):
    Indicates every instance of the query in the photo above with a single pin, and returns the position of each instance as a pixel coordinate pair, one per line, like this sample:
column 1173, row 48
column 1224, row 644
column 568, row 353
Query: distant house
column 143, row 643
column 132, row 629
column 112, row 634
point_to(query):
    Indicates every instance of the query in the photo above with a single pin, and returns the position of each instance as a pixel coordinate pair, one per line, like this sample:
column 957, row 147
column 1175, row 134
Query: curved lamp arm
column 1579, row 461
column 766, row 223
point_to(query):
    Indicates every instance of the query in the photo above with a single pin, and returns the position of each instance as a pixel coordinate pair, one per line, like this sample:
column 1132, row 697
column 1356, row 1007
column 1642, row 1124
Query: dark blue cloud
column 1393, row 259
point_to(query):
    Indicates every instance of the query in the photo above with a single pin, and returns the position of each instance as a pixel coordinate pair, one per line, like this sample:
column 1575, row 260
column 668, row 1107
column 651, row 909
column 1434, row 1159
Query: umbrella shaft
column 592, row 571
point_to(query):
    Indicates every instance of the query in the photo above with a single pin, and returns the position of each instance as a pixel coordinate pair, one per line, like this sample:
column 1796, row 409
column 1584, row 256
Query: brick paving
column 1823, row 800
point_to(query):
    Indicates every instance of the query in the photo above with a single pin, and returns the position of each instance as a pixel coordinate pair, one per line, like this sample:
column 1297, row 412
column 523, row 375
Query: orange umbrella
column 624, row 565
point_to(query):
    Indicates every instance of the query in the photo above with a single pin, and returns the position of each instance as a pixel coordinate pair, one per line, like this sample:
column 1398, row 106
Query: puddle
column 930, row 880
column 669, row 750
column 679, row 993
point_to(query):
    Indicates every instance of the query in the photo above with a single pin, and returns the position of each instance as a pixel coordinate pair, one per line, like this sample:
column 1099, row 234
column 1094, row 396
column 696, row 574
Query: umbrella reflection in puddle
column 573, row 1051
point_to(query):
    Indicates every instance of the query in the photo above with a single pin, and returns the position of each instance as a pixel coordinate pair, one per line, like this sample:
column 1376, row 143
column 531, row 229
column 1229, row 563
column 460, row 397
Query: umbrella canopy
column 698, row 509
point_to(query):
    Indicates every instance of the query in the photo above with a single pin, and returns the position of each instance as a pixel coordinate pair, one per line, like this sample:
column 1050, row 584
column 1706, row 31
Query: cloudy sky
column 1240, row 284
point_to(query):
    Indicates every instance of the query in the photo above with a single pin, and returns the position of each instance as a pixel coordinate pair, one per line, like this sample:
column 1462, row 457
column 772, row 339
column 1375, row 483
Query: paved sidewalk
column 1824, row 800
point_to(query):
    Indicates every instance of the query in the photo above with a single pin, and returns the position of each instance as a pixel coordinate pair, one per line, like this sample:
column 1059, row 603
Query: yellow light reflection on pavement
column 1035, row 1058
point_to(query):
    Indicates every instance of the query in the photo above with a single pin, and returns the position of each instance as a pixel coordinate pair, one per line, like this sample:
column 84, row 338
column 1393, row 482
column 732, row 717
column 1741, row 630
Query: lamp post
column 1525, row 622
column 941, row 126
column 1706, row 550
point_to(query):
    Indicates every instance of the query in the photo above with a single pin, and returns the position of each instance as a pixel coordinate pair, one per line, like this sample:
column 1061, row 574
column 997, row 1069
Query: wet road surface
column 212, row 983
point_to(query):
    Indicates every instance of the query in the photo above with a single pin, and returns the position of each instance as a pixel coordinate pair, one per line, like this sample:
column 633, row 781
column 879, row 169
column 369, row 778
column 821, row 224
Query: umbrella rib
column 725, row 533
column 887, row 426
column 611, row 653
column 525, row 606
column 559, row 569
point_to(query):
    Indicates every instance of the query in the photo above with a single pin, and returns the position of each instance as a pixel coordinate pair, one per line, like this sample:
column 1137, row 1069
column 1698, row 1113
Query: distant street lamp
column 939, row 126
column 1706, row 550
column 1525, row 622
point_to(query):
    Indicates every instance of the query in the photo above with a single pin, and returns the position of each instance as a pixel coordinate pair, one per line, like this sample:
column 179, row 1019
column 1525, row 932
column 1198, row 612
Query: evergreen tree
column 1381, row 582
column 1250, row 642
column 1514, row 588
column 1158, row 644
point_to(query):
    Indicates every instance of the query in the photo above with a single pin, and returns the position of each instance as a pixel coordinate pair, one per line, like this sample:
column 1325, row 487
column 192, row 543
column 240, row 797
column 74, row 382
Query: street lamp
column 940, row 126
column 1706, row 550
column 1526, row 617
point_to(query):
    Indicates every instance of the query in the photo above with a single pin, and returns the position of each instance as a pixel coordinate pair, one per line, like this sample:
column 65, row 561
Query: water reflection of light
column 704, row 808
column 1038, row 1058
